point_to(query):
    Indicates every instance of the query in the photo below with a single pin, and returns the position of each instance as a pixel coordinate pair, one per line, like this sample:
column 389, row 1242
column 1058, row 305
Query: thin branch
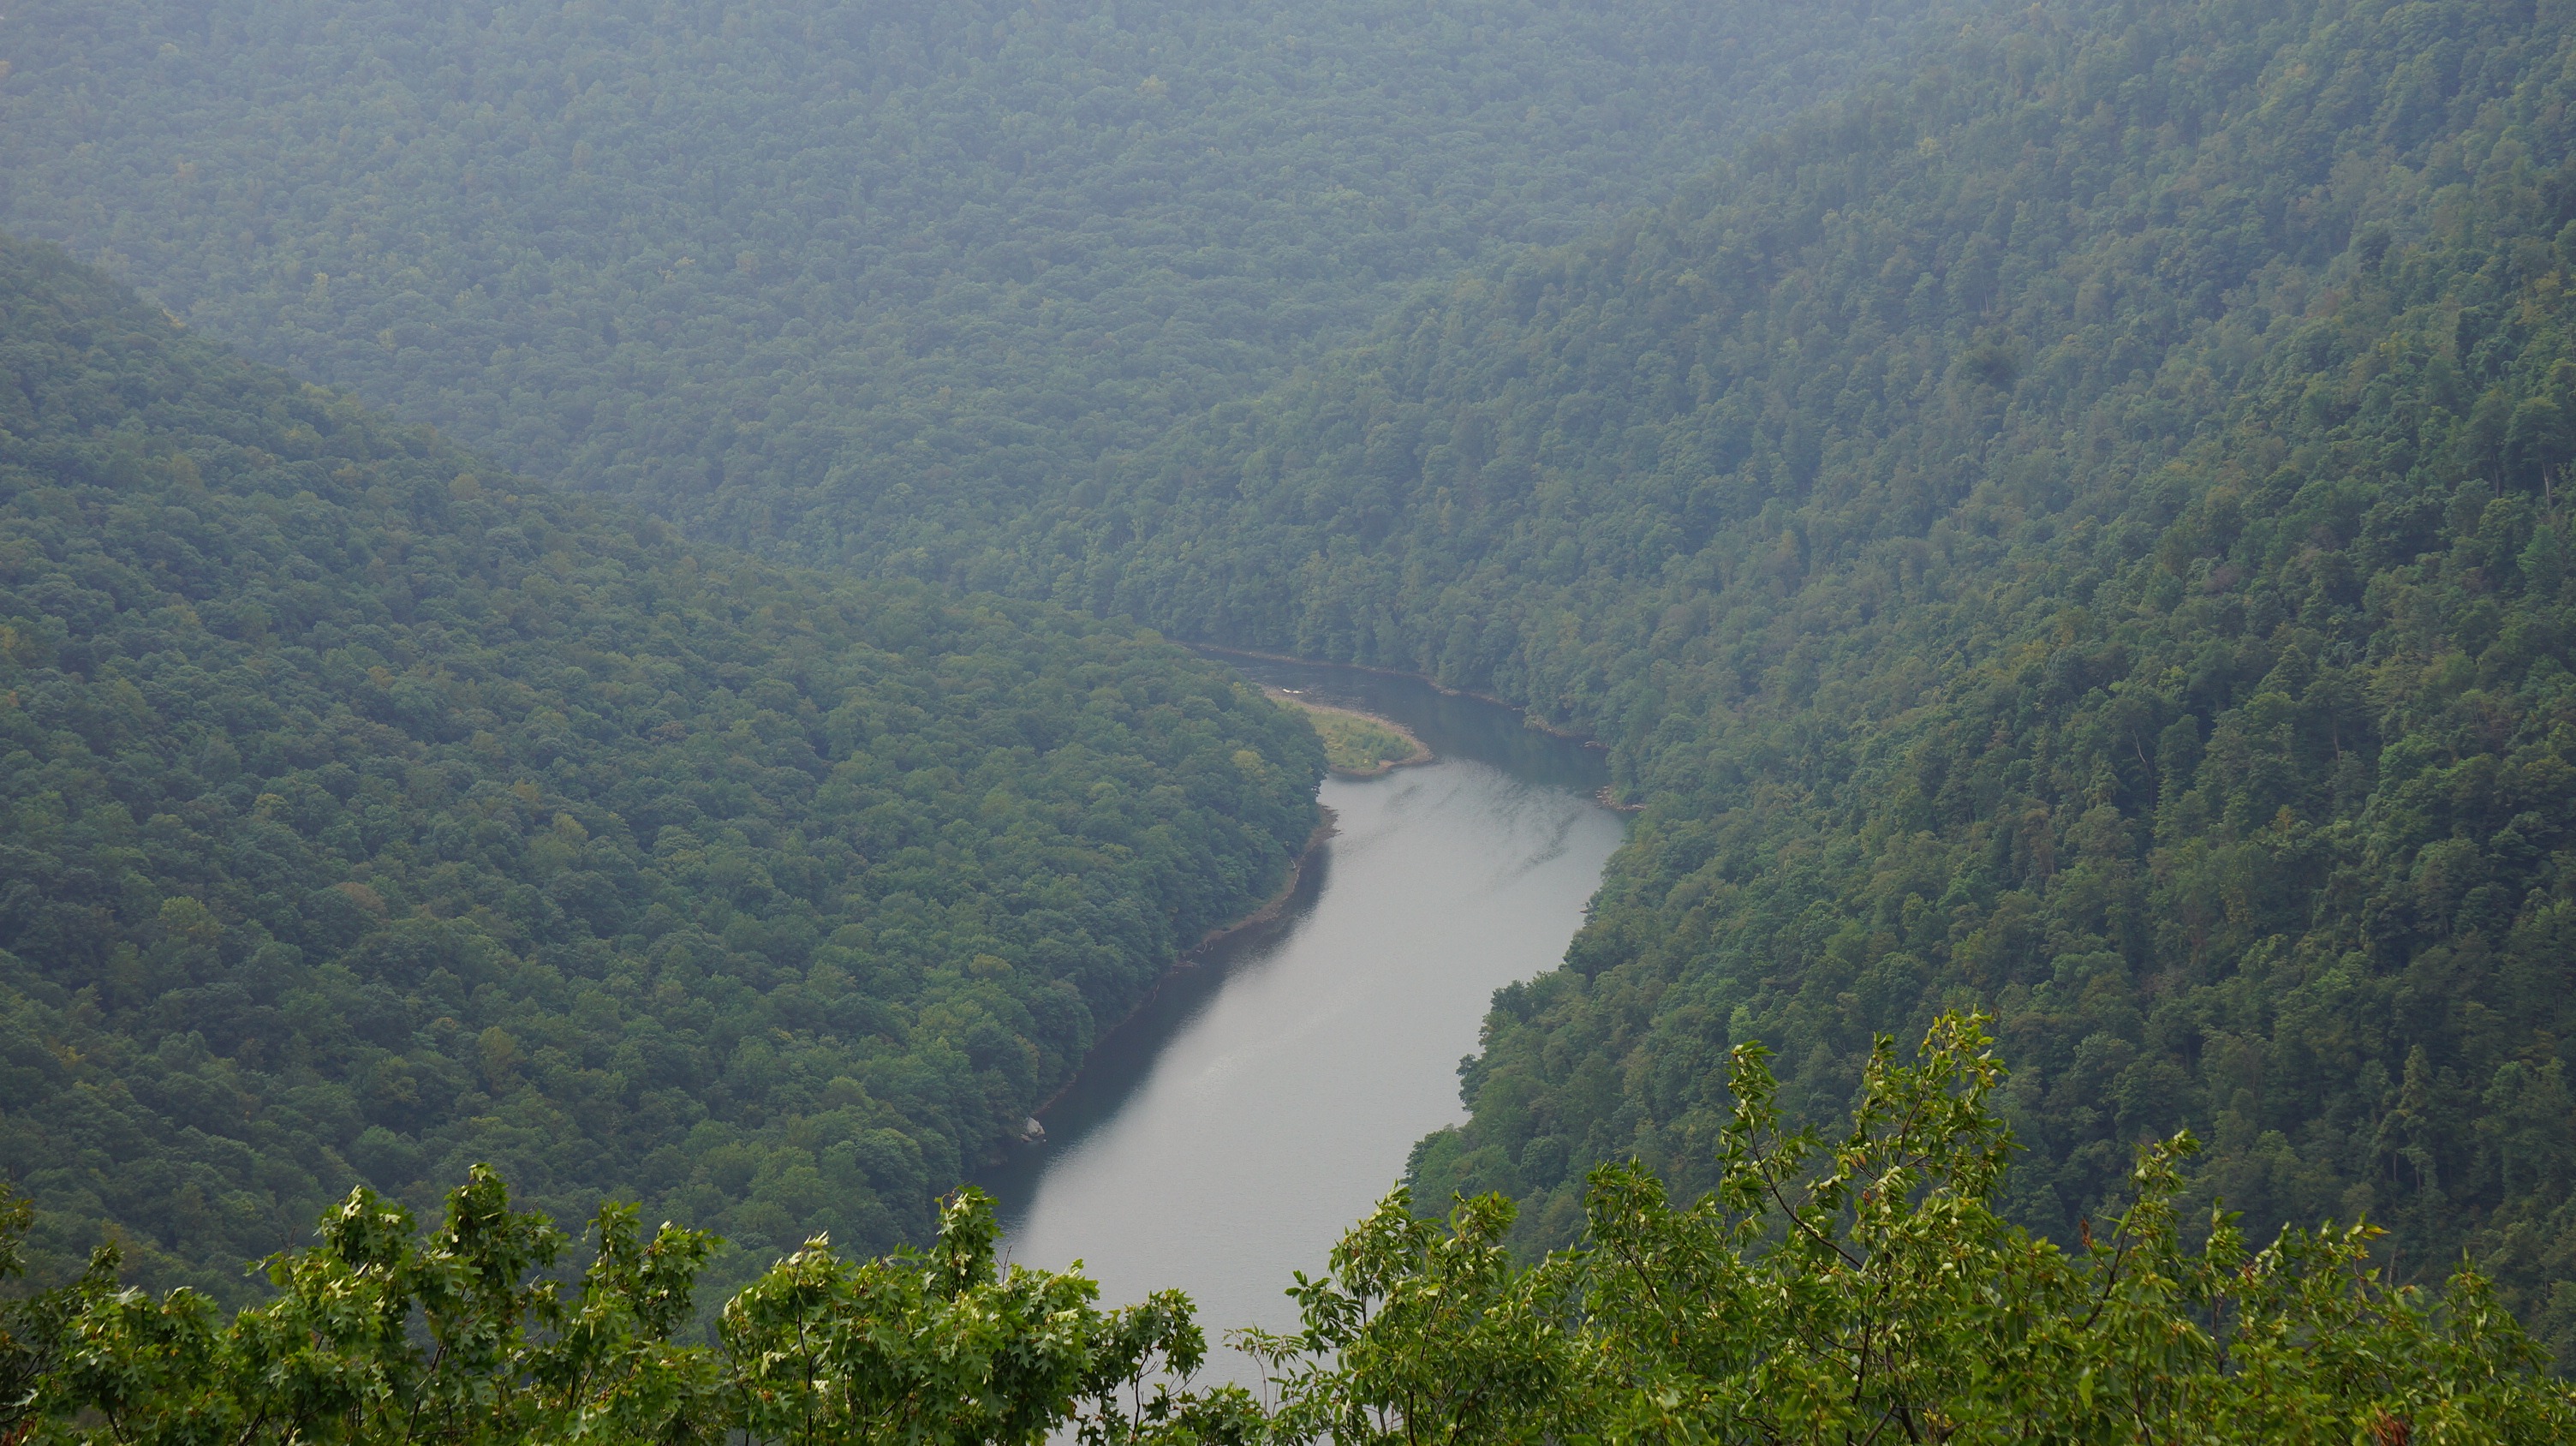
column 2110, row 1282
column 1772, row 1188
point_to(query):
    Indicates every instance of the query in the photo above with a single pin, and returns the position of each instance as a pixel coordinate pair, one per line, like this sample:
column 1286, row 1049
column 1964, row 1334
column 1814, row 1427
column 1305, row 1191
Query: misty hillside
column 2056, row 514
column 2080, row 530
column 364, row 817
column 748, row 264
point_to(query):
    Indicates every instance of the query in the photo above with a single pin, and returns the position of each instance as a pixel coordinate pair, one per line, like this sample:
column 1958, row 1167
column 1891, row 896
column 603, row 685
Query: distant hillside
column 854, row 279
column 2083, row 531
column 365, row 814
column 2077, row 528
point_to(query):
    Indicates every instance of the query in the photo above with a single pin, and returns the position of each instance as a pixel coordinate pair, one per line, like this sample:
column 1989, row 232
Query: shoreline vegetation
column 1326, row 825
column 1529, row 719
column 1902, row 1236
column 1357, row 744
column 408, row 822
column 1323, row 716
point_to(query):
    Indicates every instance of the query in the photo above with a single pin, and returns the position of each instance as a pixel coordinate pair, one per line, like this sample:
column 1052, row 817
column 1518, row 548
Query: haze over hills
column 748, row 264
column 2072, row 526
column 2080, row 529
column 367, row 818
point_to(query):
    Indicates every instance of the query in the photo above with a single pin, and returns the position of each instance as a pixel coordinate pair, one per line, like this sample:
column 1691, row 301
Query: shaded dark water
column 1230, row 1132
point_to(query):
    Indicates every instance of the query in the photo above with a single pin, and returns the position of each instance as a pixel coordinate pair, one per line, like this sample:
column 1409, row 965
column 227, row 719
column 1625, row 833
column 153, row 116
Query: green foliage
column 853, row 280
column 362, row 819
column 935, row 1349
column 942, row 1348
column 2079, row 530
column 2076, row 529
column 1358, row 745
column 1872, row 1292
column 1859, row 1293
column 1424, row 1331
column 378, row 1335
column 29, row 1326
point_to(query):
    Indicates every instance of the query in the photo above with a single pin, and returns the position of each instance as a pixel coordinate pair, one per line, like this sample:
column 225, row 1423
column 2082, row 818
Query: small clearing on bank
column 1356, row 744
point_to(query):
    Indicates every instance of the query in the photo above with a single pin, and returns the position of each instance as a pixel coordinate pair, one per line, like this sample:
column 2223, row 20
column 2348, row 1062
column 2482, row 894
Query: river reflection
column 1264, row 1100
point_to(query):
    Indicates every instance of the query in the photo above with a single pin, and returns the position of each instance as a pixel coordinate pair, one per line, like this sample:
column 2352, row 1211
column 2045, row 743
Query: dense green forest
column 1870, row 1295
column 2072, row 527
column 2080, row 528
column 848, row 278
column 366, row 815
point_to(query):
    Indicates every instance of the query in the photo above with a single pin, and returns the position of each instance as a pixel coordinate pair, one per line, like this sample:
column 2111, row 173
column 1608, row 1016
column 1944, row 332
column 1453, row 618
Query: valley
column 1269, row 1094
column 1653, row 722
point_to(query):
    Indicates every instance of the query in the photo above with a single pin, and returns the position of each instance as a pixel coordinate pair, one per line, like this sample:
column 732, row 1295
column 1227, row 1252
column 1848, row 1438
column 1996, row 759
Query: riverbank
column 1325, row 819
column 1231, row 1133
column 1186, row 961
column 1529, row 720
column 1456, row 724
column 1351, row 735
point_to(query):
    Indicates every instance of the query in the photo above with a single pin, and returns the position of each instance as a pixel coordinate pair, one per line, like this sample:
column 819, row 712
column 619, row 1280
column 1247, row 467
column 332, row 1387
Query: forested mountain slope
column 845, row 277
column 364, row 817
column 2080, row 531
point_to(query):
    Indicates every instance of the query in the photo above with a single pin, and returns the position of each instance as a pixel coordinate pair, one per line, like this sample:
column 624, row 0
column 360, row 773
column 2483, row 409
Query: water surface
column 1265, row 1099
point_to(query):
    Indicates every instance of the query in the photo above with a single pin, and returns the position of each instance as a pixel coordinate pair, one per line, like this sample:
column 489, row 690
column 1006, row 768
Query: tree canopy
column 1862, row 1293
column 2072, row 527
column 2079, row 528
column 366, row 814
column 844, row 278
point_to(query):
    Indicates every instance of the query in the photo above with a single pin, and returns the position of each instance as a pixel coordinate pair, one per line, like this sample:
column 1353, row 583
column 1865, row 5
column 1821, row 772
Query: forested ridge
column 2068, row 536
column 1858, row 1295
column 367, row 814
column 849, row 279
column 2080, row 528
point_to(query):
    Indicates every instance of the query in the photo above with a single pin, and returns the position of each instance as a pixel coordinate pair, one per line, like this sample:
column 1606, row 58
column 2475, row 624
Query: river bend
column 1266, row 1098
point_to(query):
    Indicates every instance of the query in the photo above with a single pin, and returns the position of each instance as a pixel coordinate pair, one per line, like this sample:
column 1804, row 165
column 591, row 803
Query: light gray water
column 1227, row 1135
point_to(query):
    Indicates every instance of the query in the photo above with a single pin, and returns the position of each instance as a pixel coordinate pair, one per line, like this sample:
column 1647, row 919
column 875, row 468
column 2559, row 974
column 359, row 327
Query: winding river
column 1267, row 1097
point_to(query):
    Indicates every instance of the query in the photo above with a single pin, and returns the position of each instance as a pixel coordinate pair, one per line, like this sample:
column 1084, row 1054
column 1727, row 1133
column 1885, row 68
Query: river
column 1263, row 1100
